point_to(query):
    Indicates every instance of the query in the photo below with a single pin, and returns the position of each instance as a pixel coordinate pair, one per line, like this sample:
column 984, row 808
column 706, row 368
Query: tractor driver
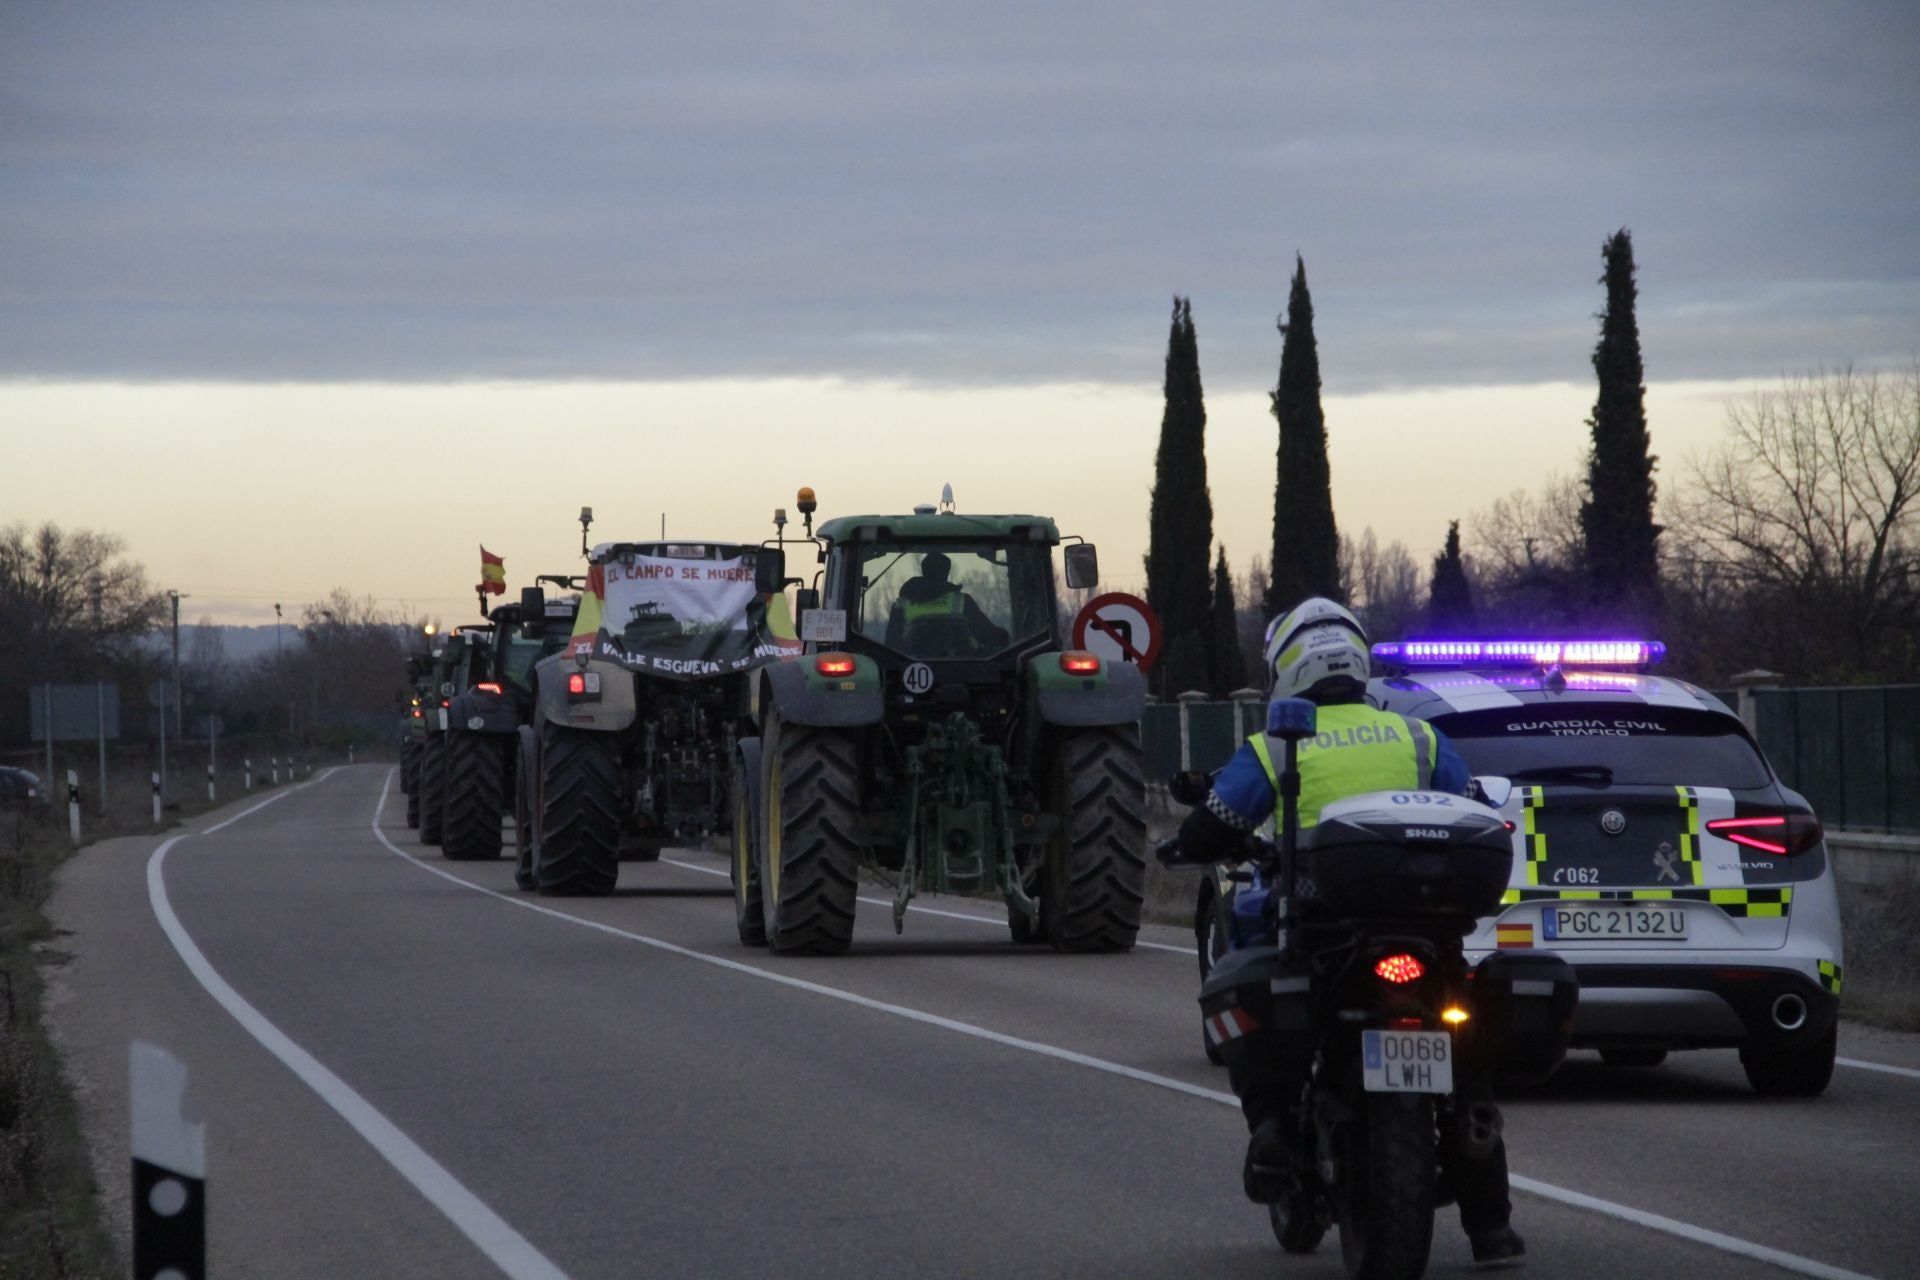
column 1319, row 652
column 932, row 617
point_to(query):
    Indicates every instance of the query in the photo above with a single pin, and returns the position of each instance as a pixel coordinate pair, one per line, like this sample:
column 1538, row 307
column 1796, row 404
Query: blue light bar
column 1532, row 653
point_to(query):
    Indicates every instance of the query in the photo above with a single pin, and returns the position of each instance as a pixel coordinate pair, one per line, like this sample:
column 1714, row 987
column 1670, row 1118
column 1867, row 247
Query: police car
column 1654, row 848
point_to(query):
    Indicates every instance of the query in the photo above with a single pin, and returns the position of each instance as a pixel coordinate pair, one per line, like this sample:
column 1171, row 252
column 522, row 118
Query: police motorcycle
column 1358, row 985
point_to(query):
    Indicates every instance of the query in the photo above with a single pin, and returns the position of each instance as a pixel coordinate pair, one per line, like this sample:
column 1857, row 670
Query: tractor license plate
column 1573, row 924
column 1406, row 1061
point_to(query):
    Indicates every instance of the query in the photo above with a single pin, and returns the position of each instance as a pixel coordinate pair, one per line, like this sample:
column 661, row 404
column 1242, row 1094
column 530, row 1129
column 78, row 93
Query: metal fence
column 1853, row 753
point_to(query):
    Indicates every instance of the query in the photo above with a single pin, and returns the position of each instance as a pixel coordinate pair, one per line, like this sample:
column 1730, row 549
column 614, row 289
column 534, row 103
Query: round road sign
column 1120, row 628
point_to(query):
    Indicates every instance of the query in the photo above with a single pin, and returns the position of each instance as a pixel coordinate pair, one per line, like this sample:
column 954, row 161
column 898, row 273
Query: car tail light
column 446, row 702
column 834, row 664
column 1406, row 1024
column 418, row 714
column 1399, row 969
column 1078, row 662
column 488, row 686
column 1781, row 834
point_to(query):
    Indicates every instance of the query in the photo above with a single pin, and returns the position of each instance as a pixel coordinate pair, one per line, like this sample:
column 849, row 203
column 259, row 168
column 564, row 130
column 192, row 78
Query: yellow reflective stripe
column 1510, row 897
column 1653, row 895
column 1259, row 744
column 1580, row 895
column 1536, row 841
column 1690, row 838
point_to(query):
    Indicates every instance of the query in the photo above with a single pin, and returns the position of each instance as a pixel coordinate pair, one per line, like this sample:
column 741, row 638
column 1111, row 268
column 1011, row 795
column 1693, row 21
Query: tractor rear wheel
column 579, row 848
column 749, row 914
column 432, row 788
column 1096, row 870
column 810, row 850
column 474, row 794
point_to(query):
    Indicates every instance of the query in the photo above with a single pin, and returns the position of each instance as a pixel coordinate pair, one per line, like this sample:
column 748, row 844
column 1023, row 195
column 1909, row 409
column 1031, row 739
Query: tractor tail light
column 1399, row 969
column 834, row 664
column 583, row 684
column 1078, row 662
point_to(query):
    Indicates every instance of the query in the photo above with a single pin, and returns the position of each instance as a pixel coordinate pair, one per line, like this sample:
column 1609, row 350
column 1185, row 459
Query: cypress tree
column 1180, row 522
column 1305, row 543
column 1620, row 537
column 1224, row 663
column 1450, row 607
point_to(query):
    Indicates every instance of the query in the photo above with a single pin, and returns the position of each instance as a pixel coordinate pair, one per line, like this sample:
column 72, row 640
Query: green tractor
column 458, row 663
column 485, row 716
column 938, row 733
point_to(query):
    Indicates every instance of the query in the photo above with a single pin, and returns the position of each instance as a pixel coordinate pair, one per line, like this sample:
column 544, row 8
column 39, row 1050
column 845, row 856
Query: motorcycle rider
column 1319, row 651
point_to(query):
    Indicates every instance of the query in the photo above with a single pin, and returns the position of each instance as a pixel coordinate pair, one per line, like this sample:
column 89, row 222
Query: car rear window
column 1638, row 745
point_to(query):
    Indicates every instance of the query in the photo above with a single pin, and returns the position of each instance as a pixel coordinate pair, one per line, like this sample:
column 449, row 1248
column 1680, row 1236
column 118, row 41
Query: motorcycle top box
column 1409, row 853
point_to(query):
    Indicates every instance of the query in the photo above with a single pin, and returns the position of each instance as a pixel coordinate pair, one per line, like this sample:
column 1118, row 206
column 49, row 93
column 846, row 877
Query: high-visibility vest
column 1354, row 749
column 949, row 604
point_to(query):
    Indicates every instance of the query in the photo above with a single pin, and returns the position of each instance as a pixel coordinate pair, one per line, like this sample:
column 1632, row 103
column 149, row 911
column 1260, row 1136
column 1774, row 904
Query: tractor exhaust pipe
column 1789, row 1013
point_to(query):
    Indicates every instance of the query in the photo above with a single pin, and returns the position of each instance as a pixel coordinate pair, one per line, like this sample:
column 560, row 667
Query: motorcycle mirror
column 770, row 571
column 1291, row 719
column 1493, row 791
column 1190, row 788
column 1083, row 566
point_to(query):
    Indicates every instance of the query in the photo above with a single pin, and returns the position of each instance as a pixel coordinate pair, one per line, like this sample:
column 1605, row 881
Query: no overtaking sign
column 1119, row 628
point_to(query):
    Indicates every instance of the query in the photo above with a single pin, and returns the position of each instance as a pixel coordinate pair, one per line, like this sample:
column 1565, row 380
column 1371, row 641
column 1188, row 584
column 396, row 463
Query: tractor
column 634, row 719
column 458, row 663
column 484, row 718
column 938, row 734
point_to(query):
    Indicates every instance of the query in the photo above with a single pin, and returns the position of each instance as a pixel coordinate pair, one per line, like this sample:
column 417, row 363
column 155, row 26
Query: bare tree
column 1385, row 587
column 1808, row 511
column 1527, row 559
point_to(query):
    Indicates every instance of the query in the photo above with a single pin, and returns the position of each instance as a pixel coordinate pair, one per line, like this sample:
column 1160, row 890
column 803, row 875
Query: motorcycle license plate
column 1406, row 1061
column 1611, row 923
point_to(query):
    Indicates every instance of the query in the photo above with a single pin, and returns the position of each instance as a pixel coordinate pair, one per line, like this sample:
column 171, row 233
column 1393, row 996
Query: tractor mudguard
column 1116, row 694
column 611, row 712
column 803, row 696
column 477, row 712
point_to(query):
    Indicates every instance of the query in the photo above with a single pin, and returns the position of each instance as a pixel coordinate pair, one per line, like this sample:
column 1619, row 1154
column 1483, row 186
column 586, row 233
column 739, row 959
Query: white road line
column 1546, row 1191
column 929, row 911
column 502, row 1245
column 1908, row 1072
column 1686, row 1231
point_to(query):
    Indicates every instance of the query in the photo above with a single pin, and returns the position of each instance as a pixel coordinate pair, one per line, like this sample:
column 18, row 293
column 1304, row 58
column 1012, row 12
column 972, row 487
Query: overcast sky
column 719, row 250
column 955, row 192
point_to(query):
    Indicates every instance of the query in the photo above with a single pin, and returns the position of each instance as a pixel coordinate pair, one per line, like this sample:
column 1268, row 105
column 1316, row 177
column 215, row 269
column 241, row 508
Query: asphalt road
column 407, row 1068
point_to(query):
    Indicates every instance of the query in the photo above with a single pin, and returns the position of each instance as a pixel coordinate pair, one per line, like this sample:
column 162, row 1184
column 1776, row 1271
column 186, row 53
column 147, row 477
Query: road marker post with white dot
column 73, row 807
column 246, row 773
column 156, row 798
column 169, row 1170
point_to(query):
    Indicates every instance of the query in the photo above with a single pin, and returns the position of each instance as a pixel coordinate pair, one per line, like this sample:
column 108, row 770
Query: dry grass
column 1882, row 978
column 50, row 1224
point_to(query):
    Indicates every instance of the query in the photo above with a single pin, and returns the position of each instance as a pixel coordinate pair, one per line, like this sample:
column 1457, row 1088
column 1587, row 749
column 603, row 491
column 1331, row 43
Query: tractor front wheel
column 579, row 849
column 1096, row 870
column 809, row 846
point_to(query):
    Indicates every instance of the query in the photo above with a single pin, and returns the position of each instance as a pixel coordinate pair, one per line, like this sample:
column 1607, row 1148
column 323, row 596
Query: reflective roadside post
column 246, row 772
column 156, row 798
column 73, row 806
column 169, row 1169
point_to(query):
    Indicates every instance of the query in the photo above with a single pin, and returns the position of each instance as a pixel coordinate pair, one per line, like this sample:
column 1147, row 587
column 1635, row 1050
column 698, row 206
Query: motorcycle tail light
column 488, row 686
column 1399, row 969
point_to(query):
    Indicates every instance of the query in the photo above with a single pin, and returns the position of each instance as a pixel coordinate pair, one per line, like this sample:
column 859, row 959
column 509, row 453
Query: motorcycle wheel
column 1388, row 1187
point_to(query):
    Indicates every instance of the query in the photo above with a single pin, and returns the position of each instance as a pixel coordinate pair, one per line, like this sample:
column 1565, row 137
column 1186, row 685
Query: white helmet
column 1318, row 643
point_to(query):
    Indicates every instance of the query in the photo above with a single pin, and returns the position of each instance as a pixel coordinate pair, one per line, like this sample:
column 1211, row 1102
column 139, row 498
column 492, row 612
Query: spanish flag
column 493, row 573
column 1513, row 935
